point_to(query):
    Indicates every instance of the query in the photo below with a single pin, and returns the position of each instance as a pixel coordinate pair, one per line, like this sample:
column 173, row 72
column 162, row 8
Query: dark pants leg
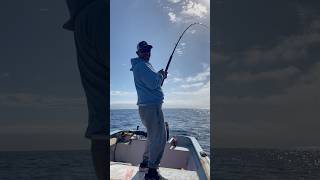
column 100, row 158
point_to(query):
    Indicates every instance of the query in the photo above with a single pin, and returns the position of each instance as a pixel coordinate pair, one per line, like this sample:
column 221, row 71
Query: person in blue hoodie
column 150, row 98
column 88, row 21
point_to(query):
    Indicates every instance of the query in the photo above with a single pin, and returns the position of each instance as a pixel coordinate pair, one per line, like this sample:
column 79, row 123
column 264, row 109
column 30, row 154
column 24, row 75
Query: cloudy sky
column 266, row 73
column 160, row 23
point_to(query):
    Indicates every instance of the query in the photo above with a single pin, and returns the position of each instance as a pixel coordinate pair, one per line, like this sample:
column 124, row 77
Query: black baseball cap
column 143, row 46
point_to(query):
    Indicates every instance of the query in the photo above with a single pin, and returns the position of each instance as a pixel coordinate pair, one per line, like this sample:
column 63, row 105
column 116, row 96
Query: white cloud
column 199, row 98
column 192, row 85
column 123, row 99
column 179, row 51
column 121, row 93
column 193, row 31
column 186, row 11
column 193, row 8
column 192, row 81
column 173, row 17
column 200, row 76
column 174, row 1
column 173, row 79
column 177, row 79
column 194, row 92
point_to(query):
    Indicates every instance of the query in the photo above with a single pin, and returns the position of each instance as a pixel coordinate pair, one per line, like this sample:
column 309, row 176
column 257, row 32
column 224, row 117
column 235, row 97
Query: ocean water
column 266, row 164
column 191, row 122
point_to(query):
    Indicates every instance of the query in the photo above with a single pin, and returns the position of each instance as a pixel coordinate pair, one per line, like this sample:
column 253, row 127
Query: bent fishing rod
column 168, row 64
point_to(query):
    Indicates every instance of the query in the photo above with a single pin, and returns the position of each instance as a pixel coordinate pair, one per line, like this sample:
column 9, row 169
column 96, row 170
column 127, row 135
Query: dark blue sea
column 228, row 164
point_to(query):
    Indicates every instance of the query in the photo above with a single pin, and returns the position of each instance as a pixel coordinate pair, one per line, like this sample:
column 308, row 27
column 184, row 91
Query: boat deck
column 120, row 171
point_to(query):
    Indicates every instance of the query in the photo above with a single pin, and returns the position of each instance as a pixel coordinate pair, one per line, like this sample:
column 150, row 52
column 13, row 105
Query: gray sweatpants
column 152, row 118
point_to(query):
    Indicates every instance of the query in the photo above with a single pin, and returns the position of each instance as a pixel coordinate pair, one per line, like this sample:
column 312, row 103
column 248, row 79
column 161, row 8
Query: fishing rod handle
column 163, row 78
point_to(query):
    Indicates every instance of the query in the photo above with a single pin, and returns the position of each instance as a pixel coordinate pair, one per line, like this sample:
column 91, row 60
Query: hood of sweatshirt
column 134, row 62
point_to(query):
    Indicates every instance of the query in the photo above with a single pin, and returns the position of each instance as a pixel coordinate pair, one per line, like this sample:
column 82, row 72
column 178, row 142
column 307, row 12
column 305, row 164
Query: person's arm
column 150, row 78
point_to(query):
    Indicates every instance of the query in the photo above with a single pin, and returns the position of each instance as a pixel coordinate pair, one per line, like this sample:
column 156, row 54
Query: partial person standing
column 88, row 20
column 150, row 99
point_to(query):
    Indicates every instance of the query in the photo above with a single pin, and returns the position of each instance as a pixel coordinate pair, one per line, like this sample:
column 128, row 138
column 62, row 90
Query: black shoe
column 153, row 174
column 143, row 167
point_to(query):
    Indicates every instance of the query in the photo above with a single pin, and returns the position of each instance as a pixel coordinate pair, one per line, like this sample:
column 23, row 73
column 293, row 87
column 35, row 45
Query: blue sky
column 160, row 23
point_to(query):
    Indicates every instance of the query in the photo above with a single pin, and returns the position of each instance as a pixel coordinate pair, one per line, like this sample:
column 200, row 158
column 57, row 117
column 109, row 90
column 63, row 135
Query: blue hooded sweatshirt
column 147, row 82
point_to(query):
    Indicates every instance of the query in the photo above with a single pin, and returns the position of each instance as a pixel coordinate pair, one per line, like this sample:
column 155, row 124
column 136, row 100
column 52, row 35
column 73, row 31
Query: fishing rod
column 168, row 64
